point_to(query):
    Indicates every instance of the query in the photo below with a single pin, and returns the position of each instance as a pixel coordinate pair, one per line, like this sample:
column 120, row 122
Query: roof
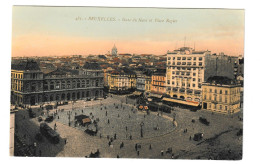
column 63, row 71
column 220, row 80
column 92, row 66
column 160, row 72
column 81, row 117
column 26, row 65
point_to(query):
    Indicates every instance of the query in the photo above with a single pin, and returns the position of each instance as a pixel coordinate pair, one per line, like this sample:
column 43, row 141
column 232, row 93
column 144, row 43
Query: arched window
column 74, row 84
column 83, row 83
column 52, row 85
column 57, row 86
column 51, row 97
column 78, row 95
column 68, row 84
column 68, row 96
column 73, row 96
column 63, row 84
column 78, row 83
column 63, row 96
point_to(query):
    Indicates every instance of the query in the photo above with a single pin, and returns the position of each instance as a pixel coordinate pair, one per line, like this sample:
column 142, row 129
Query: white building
column 187, row 69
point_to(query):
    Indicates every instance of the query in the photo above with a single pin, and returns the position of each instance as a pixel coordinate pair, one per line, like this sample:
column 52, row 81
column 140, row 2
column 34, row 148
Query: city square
column 168, row 141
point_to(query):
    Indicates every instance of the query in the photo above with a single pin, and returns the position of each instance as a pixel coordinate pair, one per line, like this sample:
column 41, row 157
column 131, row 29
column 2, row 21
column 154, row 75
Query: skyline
column 54, row 31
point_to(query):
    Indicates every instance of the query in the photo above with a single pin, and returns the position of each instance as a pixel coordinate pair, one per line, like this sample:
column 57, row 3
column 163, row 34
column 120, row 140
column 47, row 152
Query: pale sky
column 46, row 31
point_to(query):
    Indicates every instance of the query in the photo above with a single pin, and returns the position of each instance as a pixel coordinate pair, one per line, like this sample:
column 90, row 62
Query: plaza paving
column 219, row 136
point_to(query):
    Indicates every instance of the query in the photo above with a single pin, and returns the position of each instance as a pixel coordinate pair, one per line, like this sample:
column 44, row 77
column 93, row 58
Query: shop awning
column 137, row 93
column 181, row 102
column 155, row 95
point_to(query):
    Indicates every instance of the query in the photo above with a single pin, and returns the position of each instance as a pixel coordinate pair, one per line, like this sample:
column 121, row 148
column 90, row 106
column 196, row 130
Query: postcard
column 106, row 82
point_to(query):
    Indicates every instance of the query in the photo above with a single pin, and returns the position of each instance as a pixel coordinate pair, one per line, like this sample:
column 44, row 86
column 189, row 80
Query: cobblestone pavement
column 219, row 136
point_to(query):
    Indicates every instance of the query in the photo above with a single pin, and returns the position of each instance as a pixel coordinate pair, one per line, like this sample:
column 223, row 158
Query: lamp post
column 141, row 125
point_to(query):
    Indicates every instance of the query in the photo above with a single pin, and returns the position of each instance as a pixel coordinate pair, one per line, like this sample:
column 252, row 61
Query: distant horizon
column 66, row 31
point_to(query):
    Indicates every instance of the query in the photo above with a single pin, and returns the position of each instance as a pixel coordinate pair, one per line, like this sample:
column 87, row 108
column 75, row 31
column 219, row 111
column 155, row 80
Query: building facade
column 158, row 86
column 121, row 80
column 31, row 87
column 187, row 69
column 222, row 95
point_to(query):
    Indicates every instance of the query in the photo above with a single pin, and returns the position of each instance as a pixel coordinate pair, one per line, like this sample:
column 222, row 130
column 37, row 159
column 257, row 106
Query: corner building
column 221, row 95
column 187, row 69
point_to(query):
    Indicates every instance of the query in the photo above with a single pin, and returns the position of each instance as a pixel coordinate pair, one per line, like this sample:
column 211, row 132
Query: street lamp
column 141, row 125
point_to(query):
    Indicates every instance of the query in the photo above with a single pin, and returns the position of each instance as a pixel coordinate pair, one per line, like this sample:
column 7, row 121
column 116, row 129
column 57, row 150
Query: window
column 194, row 79
column 172, row 77
column 220, row 107
column 189, row 69
column 183, row 84
column 225, row 99
column 178, row 63
column 200, row 63
column 189, row 63
column 226, row 108
column 226, row 92
column 215, row 91
column 220, row 98
column 194, row 74
column 168, row 81
column 177, row 73
column 183, row 58
column 194, row 58
column 200, row 58
column 173, row 58
column 173, row 72
column 193, row 85
column 210, row 90
column 178, row 58
column 172, row 82
column 178, row 68
column 220, row 91
column 194, row 63
column 189, row 58
column 169, row 58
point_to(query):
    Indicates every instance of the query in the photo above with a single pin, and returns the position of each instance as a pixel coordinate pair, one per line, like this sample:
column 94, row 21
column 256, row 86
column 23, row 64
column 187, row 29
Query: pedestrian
column 126, row 128
column 109, row 143
column 130, row 137
column 100, row 136
column 40, row 153
column 117, row 156
column 108, row 121
column 138, row 152
column 58, row 117
column 150, row 147
column 135, row 147
column 190, row 137
column 172, row 155
column 65, row 141
column 115, row 136
column 161, row 152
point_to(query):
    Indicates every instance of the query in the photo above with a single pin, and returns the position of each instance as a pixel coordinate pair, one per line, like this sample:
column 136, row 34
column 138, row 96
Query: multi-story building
column 30, row 86
column 187, row 69
column 121, row 80
column 221, row 94
column 158, row 86
column 140, row 83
